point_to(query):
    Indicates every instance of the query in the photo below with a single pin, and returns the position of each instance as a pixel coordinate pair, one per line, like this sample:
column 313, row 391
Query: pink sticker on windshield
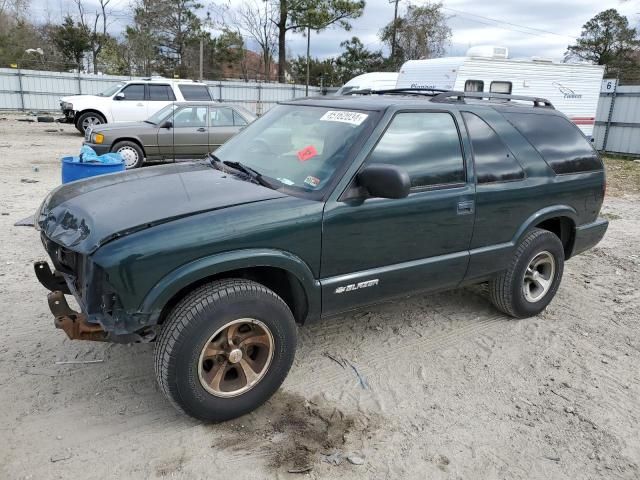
column 307, row 153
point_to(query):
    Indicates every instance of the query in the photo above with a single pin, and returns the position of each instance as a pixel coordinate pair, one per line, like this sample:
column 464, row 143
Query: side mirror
column 119, row 96
column 385, row 181
column 167, row 124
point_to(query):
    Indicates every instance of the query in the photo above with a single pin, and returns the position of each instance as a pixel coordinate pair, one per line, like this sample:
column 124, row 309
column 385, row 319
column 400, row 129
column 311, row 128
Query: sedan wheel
column 131, row 153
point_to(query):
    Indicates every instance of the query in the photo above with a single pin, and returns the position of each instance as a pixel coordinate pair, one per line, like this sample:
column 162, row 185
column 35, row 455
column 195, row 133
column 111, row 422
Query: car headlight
column 66, row 105
column 97, row 138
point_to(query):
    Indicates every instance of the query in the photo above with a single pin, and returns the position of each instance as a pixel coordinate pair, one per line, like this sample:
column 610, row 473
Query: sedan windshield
column 162, row 114
column 299, row 146
column 111, row 90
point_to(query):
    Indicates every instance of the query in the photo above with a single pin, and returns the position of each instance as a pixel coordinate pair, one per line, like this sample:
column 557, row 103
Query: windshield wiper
column 254, row 175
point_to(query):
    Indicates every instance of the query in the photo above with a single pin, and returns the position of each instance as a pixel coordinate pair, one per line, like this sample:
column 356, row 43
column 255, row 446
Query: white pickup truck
column 130, row 101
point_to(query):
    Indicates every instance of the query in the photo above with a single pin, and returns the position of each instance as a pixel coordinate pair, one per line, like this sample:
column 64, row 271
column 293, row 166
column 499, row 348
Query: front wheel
column 89, row 120
column 131, row 154
column 532, row 279
column 225, row 349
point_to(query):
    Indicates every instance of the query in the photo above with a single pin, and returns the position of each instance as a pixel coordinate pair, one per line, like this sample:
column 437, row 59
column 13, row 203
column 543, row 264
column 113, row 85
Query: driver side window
column 427, row 145
column 133, row 92
column 190, row 117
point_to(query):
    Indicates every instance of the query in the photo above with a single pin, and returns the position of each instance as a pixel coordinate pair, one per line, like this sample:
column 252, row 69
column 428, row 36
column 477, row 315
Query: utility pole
column 201, row 58
column 393, row 38
column 306, row 88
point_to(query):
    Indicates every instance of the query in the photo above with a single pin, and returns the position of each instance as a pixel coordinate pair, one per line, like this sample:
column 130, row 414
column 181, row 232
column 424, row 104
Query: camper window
column 493, row 160
column 500, row 87
column 474, row 86
column 427, row 145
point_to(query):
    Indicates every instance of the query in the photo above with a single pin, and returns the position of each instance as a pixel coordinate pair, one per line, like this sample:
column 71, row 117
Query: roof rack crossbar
column 416, row 91
column 460, row 96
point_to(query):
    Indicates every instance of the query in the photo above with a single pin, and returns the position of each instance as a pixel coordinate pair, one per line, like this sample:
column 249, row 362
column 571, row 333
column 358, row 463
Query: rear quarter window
column 195, row 92
column 560, row 143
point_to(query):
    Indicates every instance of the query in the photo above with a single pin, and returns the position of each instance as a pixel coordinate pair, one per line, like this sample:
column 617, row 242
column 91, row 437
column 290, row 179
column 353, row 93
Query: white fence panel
column 36, row 90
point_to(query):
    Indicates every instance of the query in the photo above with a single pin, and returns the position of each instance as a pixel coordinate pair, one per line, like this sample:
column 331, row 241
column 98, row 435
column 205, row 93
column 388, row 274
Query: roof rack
column 460, row 96
column 392, row 91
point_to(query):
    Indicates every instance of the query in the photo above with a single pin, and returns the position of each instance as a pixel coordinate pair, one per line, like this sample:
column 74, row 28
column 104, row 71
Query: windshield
column 161, row 114
column 300, row 146
column 111, row 90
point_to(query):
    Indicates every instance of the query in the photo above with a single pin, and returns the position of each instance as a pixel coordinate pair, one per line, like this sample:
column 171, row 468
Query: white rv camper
column 372, row 80
column 573, row 88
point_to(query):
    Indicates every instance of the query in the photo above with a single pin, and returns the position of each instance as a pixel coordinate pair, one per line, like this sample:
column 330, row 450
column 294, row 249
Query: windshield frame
column 323, row 193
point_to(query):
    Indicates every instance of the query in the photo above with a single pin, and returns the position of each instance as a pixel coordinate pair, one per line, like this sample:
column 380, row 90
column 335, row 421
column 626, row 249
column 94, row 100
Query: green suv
column 321, row 206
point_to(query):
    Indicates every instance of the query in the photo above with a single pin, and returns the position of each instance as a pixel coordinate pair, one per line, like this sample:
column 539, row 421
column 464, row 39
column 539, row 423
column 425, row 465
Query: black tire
column 97, row 118
column 507, row 290
column 189, row 328
column 134, row 156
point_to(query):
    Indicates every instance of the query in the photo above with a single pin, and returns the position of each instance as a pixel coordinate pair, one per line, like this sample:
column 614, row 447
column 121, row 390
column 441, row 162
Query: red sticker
column 307, row 153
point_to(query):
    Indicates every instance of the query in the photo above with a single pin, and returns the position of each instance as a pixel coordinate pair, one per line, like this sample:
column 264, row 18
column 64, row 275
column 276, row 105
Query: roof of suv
column 165, row 80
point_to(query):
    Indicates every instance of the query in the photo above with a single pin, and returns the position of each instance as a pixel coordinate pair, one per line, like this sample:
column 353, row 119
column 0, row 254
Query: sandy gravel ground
column 437, row 386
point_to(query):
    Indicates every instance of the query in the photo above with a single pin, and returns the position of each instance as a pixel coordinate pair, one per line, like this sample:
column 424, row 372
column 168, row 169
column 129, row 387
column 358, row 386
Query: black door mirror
column 385, row 181
column 167, row 124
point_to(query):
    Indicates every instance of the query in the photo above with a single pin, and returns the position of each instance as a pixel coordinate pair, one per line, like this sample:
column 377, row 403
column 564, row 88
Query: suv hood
column 80, row 98
column 85, row 214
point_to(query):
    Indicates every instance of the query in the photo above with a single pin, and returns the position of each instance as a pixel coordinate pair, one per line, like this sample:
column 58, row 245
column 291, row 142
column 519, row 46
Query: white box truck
column 573, row 88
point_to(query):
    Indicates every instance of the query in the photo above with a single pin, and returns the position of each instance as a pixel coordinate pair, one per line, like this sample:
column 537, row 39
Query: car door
column 129, row 104
column 190, row 132
column 377, row 248
column 222, row 126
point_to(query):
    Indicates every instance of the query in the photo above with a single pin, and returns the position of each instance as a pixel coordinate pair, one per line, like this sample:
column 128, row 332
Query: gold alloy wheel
column 236, row 357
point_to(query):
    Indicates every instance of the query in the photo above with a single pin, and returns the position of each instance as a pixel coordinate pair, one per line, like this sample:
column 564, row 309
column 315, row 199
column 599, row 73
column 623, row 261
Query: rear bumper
column 587, row 236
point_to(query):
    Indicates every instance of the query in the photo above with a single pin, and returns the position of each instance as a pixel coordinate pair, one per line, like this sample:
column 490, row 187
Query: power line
column 547, row 32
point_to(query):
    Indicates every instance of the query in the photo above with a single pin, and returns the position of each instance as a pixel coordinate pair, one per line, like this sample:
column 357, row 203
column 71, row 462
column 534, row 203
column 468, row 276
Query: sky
column 528, row 28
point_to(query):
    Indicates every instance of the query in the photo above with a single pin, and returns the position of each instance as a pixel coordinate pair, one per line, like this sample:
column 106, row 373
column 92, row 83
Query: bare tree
column 255, row 19
column 96, row 26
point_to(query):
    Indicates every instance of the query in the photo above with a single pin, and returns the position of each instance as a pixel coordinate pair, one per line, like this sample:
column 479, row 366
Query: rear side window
column 494, row 162
column 559, row 141
column 221, row 117
column 160, row 93
column 195, row 92
column 426, row 144
column 474, row 86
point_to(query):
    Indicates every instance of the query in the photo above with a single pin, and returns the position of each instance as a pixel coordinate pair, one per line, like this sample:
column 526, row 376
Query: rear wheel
column 131, row 154
column 533, row 277
column 225, row 349
column 89, row 119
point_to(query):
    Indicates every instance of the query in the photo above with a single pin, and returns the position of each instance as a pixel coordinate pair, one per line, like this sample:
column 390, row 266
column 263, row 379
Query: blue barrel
column 73, row 169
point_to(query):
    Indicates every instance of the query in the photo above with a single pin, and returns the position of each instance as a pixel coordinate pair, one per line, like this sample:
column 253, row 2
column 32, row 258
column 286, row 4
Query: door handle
column 466, row 207
column 140, row 105
column 202, row 129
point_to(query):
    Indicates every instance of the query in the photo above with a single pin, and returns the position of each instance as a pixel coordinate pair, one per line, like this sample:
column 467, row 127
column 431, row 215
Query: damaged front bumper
column 81, row 325
column 73, row 323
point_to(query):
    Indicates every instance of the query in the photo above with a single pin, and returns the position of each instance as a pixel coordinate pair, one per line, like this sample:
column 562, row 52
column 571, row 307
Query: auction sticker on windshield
column 354, row 118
